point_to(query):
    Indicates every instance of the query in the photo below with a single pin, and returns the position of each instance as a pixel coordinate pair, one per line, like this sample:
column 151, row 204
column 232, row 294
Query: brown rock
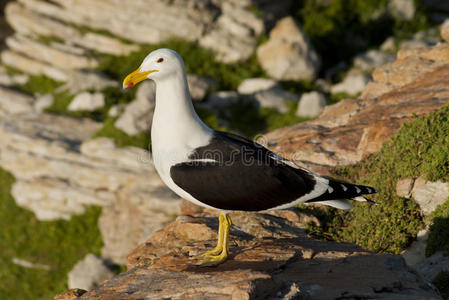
column 404, row 187
column 270, row 258
column 70, row 294
column 348, row 131
column 444, row 32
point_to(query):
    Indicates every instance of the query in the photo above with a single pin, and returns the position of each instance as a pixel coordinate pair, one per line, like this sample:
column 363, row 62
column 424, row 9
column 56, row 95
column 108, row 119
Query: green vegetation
column 349, row 27
column 57, row 244
column 197, row 61
column 442, row 283
column 122, row 139
column 420, row 147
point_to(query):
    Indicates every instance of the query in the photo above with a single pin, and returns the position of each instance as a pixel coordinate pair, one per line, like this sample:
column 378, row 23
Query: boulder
column 431, row 266
column 311, row 104
column 14, row 102
column 404, row 187
column 429, row 194
column 89, row 273
column 43, row 102
column 271, row 258
column 274, row 97
column 352, row 84
column 288, row 53
column 403, row 10
column 138, row 115
column 87, row 101
column 372, row 59
column 253, row 85
column 199, row 85
column 416, row 252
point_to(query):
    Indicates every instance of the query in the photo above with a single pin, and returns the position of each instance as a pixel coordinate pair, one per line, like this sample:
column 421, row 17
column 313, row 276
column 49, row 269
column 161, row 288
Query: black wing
column 233, row 173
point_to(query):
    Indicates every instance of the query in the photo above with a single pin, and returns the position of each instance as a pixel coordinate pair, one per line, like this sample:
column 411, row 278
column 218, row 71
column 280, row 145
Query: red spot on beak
column 131, row 84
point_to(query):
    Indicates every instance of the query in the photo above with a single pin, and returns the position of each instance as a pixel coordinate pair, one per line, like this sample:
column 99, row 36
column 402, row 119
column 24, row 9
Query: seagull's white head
column 159, row 64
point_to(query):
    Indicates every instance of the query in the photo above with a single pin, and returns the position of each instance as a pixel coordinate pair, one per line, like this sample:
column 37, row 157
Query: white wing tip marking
column 357, row 190
column 344, row 187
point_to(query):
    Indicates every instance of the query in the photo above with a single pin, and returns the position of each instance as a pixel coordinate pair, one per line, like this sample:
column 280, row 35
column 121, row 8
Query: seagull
column 220, row 170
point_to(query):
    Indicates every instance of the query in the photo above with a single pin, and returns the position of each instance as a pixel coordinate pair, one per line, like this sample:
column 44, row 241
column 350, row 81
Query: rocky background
column 327, row 83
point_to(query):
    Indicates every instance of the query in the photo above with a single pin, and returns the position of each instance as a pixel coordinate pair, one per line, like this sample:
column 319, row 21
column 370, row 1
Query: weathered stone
column 375, row 89
column 311, row 104
column 13, row 102
column 87, row 101
column 404, row 187
column 444, row 31
column 199, row 85
column 368, row 122
column 222, row 99
column 253, row 85
column 267, row 252
column 288, row 54
column 48, row 54
column 431, row 266
column 43, row 102
column 389, row 44
column 88, row 273
column 137, row 116
column 71, row 294
column 79, row 81
column 402, row 9
column 11, row 79
column 274, row 97
column 372, row 59
column 417, row 250
column 351, row 84
column 429, row 194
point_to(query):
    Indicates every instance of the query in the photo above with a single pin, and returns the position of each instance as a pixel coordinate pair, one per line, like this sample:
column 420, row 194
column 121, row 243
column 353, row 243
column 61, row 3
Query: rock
column 351, row 84
column 274, row 97
column 89, row 273
column 389, row 44
column 267, row 252
column 253, row 85
column 429, row 194
column 60, row 171
column 431, row 266
column 351, row 129
column 417, row 250
column 311, row 104
column 87, row 101
column 199, row 85
column 404, row 187
column 13, row 102
column 116, row 110
column 137, row 116
column 372, row 59
column 71, row 294
column 222, row 99
column 12, row 79
column 43, row 102
column 48, row 54
column 403, row 10
column 79, row 81
column 288, row 54
column 444, row 31
column 375, row 89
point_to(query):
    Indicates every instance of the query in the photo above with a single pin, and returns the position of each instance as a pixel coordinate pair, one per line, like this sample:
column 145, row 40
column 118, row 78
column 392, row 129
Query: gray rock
column 372, row 59
column 137, row 116
column 429, row 194
column 253, row 85
column 402, row 9
column 87, row 101
column 43, row 102
column 352, row 84
column 288, row 54
column 311, row 104
column 89, row 273
column 222, row 99
column 14, row 102
column 199, row 85
column 274, row 97
column 116, row 110
column 389, row 44
column 431, row 266
column 10, row 80
column 417, row 250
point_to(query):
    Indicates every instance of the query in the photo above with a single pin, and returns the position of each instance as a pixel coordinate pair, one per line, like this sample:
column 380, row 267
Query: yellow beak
column 136, row 77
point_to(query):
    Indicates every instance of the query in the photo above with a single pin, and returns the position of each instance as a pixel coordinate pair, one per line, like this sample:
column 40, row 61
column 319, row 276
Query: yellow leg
column 220, row 253
column 219, row 248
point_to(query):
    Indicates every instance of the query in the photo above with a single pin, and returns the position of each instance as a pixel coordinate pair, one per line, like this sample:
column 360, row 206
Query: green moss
column 197, row 60
column 58, row 244
column 420, row 147
column 442, row 283
column 122, row 139
column 39, row 84
column 439, row 230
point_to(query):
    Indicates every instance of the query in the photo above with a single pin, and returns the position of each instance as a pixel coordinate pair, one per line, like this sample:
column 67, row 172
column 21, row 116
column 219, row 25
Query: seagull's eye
column 160, row 60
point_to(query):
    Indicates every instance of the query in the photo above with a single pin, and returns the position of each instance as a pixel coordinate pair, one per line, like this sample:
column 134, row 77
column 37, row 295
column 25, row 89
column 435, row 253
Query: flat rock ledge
column 271, row 258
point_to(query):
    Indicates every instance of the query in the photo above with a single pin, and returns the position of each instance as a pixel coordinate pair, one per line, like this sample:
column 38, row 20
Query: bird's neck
column 175, row 122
